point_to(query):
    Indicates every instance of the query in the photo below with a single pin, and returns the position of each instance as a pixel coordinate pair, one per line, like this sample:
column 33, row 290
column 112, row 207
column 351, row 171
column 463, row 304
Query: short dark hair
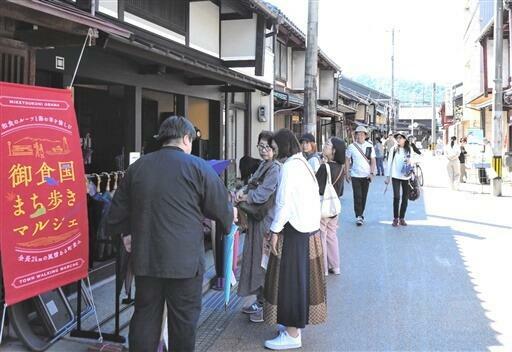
column 287, row 143
column 175, row 128
column 339, row 150
column 266, row 135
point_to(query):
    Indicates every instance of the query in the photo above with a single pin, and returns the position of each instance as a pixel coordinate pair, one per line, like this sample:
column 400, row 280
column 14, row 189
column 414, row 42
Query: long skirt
column 295, row 289
column 252, row 275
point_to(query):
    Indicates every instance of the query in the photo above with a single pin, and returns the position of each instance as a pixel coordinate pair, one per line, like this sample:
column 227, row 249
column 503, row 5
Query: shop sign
column 44, row 231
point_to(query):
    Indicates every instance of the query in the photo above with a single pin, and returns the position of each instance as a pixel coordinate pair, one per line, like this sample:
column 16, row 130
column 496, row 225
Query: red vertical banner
column 43, row 206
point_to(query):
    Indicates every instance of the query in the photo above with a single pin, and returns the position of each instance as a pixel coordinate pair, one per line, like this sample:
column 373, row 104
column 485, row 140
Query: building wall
column 204, row 27
column 473, row 64
column 326, row 85
column 108, row 7
column 298, row 69
column 259, row 99
column 490, row 63
column 154, row 28
column 238, row 39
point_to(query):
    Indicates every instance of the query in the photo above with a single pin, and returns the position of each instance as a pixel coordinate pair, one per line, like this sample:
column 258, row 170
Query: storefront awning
column 481, row 101
column 345, row 108
column 59, row 16
column 230, row 80
column 297, row 101
column 323, row 111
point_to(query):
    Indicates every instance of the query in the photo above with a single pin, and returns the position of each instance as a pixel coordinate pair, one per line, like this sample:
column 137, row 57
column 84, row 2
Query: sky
column 356, row 34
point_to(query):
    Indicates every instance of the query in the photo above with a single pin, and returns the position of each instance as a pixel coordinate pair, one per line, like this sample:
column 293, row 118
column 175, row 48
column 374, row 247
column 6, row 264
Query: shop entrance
column 102, row 128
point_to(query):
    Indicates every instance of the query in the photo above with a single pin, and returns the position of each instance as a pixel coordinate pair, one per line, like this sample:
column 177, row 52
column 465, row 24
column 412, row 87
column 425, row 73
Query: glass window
column 281, row 61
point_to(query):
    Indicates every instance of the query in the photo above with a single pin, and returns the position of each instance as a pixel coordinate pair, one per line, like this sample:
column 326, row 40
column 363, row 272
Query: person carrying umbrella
column 260, row 190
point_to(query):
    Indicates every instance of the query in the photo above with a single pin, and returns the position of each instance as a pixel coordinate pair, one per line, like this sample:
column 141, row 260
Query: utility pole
column 434, row 120
column 497, row 102
column 311, row 67
column 393, row 79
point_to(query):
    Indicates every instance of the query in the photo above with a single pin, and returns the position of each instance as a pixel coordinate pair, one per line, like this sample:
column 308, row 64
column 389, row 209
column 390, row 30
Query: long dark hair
column 339, row 150
column 287, row 143
column 407, row 147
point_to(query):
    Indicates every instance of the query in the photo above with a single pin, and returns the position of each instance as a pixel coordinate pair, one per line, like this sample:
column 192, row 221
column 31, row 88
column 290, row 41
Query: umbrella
column 219, row 165
column 229, row 240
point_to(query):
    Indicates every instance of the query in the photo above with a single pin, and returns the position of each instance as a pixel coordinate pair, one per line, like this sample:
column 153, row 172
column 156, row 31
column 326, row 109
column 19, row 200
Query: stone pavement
column 440, row 284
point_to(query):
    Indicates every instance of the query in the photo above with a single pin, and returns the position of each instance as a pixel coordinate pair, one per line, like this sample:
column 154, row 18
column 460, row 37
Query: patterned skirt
column 295, row 290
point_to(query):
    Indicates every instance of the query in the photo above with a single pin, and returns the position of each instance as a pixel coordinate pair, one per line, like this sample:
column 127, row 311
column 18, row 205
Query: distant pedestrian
column 309, row 148
column 389, row 144
column 452, row 152
column 397, row 172
column 360, row 165
column 161, row 203
column 334, row 153
column 294, row 290
column 260, row 190
column 379, row 156
column 462, row 160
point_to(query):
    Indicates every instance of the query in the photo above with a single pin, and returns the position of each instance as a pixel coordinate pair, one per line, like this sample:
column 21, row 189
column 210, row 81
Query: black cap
column 307, row 137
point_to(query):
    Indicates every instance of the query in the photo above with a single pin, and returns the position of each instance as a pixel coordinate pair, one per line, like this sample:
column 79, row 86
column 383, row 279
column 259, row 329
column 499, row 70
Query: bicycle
column 418, row 172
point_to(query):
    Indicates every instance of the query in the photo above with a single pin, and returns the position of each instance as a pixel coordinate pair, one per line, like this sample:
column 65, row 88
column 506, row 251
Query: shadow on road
column 405, row 288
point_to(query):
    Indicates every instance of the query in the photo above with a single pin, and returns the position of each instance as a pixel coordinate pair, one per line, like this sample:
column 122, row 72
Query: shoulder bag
column 257, row 212
column 330, row 204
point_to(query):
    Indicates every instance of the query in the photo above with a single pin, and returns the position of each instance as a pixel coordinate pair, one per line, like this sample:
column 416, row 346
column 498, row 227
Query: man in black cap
column 308, row 143
column 162, row 202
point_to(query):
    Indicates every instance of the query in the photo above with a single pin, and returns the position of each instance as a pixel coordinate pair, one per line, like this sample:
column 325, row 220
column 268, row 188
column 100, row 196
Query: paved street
column 440, row 284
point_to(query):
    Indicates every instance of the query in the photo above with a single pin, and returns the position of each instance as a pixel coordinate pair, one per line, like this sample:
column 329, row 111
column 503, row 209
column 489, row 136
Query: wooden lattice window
column 17, row 63
column 171, row 14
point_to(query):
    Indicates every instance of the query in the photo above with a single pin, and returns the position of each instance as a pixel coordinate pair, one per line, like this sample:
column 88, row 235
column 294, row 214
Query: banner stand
column 95, row 335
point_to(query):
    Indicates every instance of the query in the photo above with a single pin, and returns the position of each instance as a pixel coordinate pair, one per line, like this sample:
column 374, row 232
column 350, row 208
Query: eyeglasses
column 264, row 147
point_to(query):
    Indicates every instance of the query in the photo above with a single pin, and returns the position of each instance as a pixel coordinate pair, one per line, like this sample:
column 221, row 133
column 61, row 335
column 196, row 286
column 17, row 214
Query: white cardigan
column 297, row 198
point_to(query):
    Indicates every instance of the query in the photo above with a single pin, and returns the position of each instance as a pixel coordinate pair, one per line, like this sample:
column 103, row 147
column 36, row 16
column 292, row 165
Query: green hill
column 407, row 91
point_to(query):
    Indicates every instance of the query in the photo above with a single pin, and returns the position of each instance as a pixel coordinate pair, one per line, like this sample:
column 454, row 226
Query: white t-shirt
column 360, row 166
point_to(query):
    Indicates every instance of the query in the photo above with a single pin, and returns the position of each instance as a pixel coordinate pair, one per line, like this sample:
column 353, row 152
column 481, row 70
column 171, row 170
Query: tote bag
column 330, row 204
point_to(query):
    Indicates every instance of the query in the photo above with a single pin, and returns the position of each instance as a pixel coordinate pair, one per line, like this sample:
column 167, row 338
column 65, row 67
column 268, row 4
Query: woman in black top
column 462, row 159
column 334, row 153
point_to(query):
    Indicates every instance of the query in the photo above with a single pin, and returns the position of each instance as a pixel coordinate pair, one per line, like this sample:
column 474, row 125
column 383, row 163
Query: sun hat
column 361, row 129
column 400, row 134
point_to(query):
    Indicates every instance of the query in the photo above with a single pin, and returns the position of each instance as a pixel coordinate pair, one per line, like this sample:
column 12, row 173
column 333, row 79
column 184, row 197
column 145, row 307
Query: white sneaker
column 284, row 342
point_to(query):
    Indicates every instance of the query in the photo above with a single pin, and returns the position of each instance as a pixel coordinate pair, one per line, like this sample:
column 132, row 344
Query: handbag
column 257, row 211
column 415, row 189
column 330, row 204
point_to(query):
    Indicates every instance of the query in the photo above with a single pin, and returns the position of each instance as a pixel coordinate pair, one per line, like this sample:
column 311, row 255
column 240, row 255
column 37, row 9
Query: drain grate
column 214, row 318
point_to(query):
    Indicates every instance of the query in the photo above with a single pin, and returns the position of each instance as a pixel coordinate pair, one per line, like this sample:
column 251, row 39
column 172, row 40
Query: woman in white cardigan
column 294, row 292
column 398, row 165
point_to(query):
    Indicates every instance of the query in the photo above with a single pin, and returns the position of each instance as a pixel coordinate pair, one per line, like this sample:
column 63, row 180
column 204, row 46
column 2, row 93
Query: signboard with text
column 43, row 228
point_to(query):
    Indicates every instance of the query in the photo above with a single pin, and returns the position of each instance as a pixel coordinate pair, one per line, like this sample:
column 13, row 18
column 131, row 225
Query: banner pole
column 3, row 323
column 89, row 35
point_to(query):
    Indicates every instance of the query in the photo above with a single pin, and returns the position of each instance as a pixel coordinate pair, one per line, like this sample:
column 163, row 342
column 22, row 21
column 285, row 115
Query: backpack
column 330, row 204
